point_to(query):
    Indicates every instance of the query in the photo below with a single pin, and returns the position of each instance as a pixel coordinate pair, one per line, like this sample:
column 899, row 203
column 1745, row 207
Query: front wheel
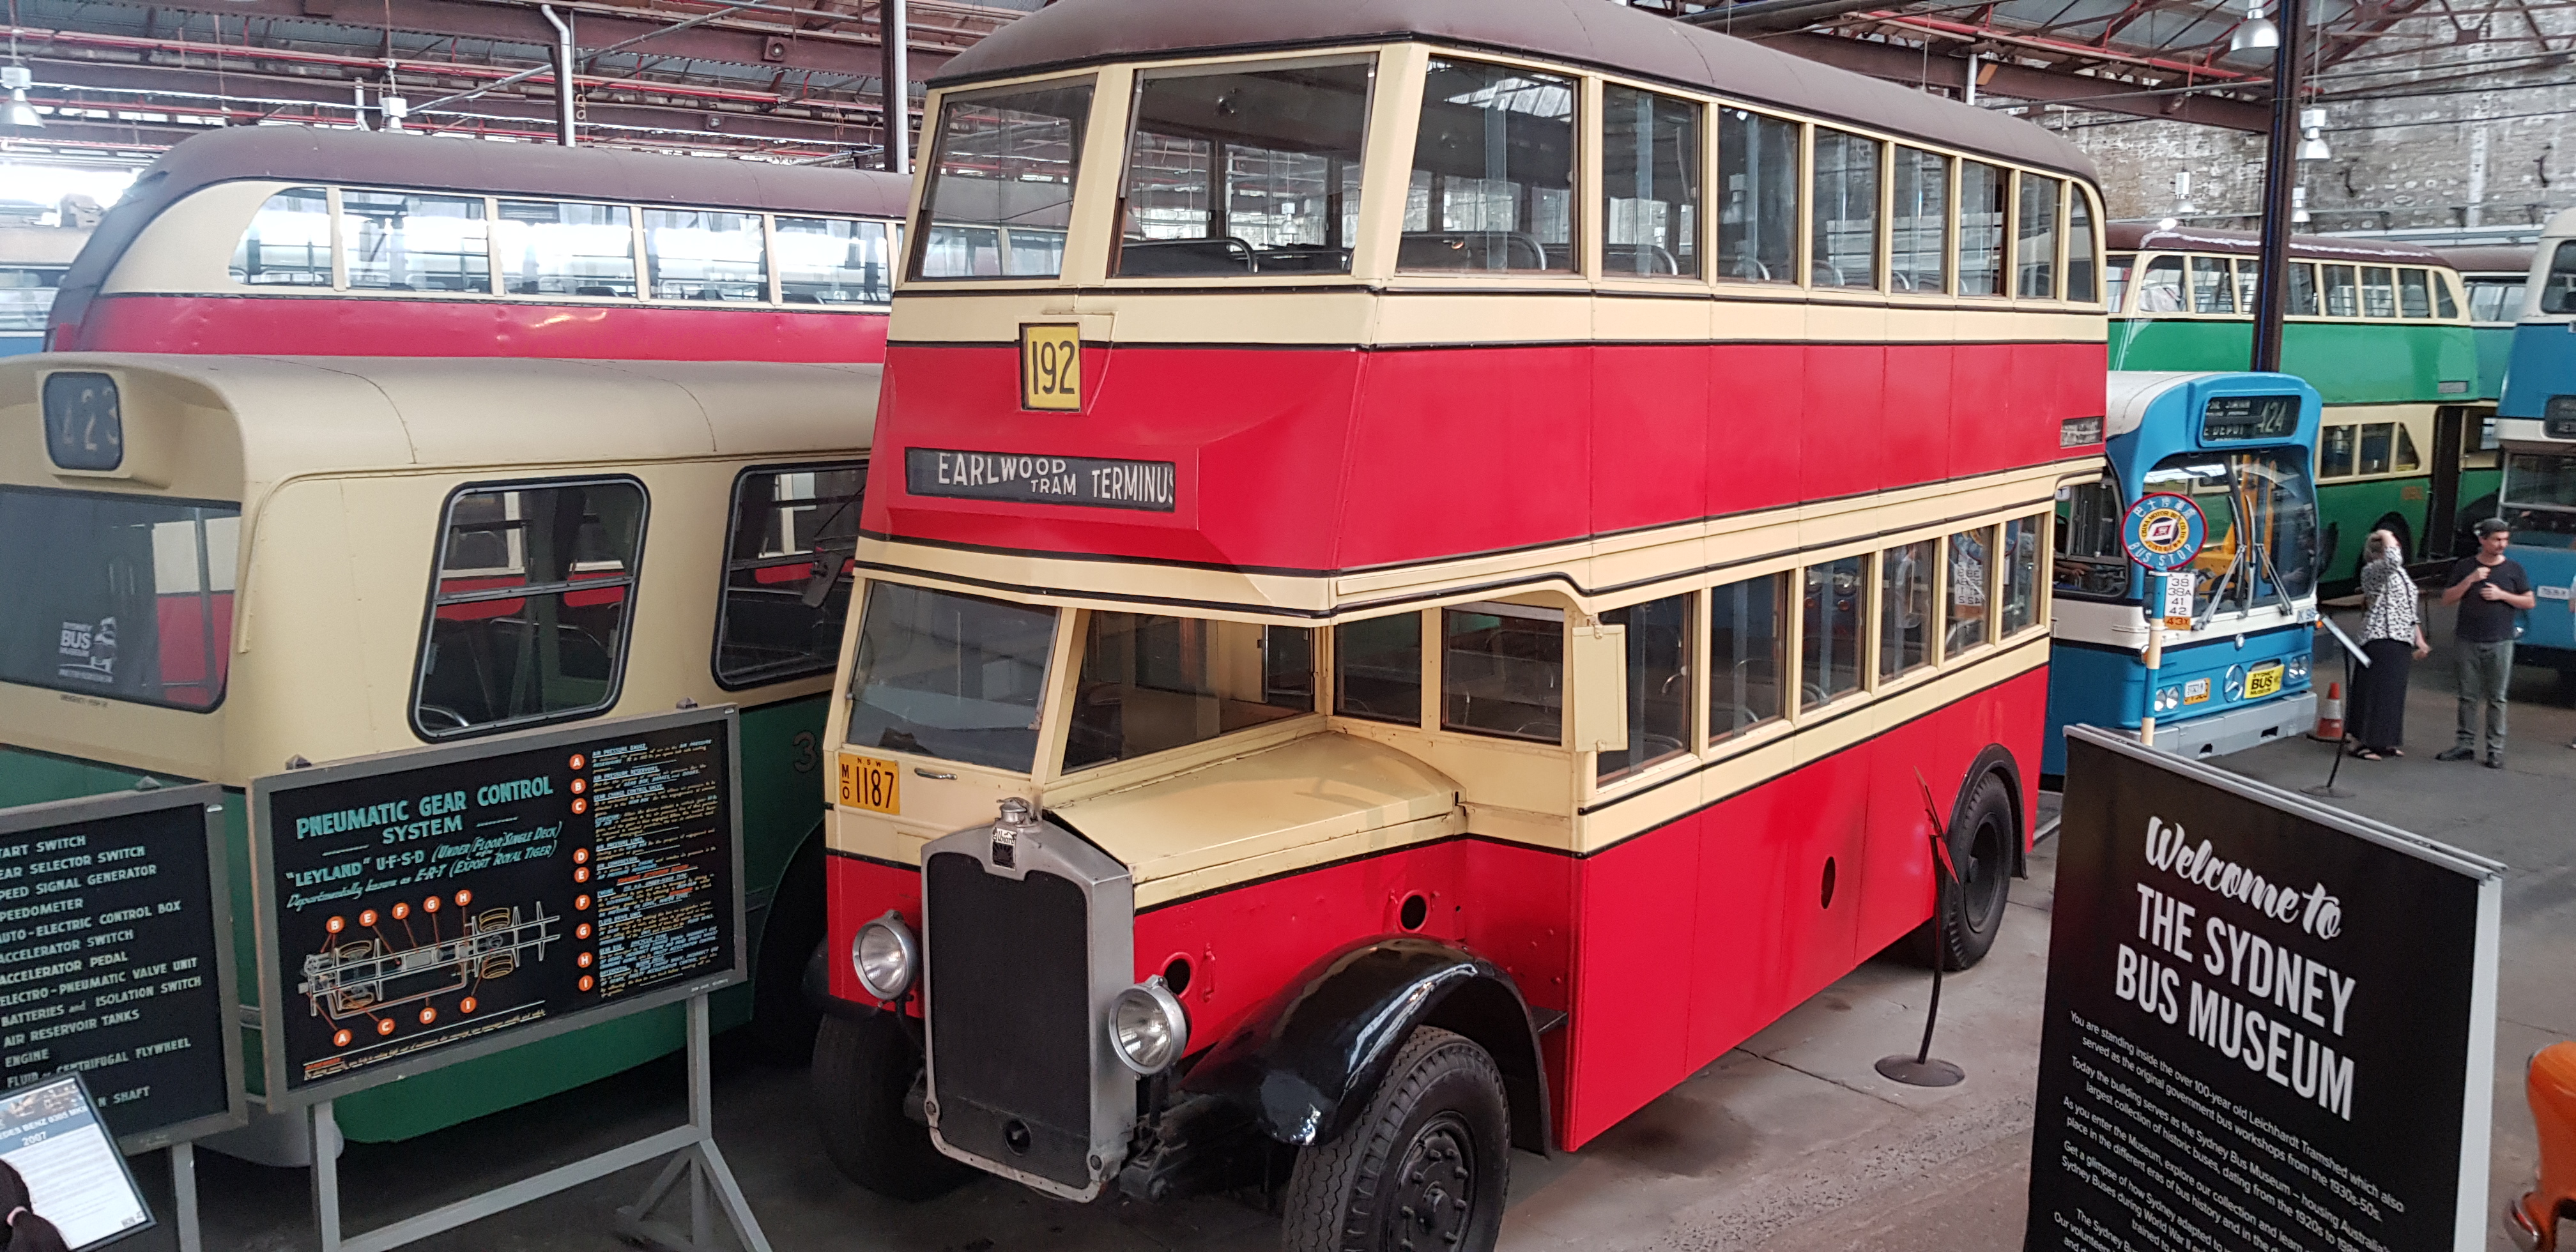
column 1981, row 845
column 863, row 1069
column 1422, row 1169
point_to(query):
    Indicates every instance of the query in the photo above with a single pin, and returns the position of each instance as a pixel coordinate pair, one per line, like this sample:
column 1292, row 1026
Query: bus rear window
column 121, row 597
column 530, row 615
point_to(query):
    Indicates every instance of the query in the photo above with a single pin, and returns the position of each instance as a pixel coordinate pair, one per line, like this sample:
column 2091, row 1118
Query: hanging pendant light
column 2256, row 33
column 15, row 79
column 2312, row 144
column 2298, row 206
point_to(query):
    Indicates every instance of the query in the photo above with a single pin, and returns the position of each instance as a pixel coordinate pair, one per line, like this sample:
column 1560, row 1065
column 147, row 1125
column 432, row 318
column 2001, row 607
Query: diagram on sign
column 387, row 964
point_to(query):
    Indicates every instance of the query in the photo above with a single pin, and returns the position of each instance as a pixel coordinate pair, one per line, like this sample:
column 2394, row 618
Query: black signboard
column 2229, row 418
column 2270, row 1024
column 1092, row 481
column 424, row 907
column 116, row 959
column 84, row 425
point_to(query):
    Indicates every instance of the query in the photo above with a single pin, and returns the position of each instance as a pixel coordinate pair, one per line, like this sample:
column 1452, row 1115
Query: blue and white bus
column 2536, row 421
column 2239, row 446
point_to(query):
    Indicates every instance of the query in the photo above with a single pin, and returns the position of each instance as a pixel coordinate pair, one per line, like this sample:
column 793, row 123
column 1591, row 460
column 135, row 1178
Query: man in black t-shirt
column 2489, row 588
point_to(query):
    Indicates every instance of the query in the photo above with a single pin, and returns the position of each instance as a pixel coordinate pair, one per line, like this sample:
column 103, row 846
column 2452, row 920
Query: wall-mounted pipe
column 563, row 74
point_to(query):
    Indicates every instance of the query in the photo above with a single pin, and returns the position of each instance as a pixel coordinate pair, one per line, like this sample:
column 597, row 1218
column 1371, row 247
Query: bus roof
column 2511, row 259
column 1611, row 37
column 370, row 158
column 2138, row 237
column 293, row 416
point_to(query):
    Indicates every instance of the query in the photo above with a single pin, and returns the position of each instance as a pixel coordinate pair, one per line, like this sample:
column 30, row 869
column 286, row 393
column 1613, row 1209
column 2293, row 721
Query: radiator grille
column 1010, row 1016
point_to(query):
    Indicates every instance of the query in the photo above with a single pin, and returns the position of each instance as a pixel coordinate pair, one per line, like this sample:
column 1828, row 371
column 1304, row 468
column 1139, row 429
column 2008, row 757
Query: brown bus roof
column 2514, row 259
column 371, row 158
column 1594, row 33
column 2135, row 237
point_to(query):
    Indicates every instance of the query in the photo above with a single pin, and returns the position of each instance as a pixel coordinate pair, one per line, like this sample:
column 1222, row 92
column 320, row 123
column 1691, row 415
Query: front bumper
column 2222, row 734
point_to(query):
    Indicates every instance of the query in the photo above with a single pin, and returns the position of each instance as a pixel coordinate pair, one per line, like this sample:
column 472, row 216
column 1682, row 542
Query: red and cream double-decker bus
column 1418, row 552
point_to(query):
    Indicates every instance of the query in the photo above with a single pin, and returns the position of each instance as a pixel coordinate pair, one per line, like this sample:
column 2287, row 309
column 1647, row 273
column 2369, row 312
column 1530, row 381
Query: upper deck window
column 1981, row 229
column 553, row 248
column 2414, row 294
column 2160, row 287
column 530, row 613
column 126, row 597
column 769, row 625
column 2115, row 274
column 2378, row 291
column 1493, row 172
column 402, row 242
column 2035, row 245
column 2079, row 245
column 2343, row 292
column 829, row 260
column 2303, row 288
column 1846, row 209
column 1001, row 183
column 27, row 295
column 703, row 254
column 2443, row 304
column 1650, row 174
column 2495, row 299
column 1242, row 171
column 1919, row 230
column 2213, row 287
column 951, row 676
column 2558, row 287
column 288, row 243
column 1150, row 683
column 1757, row 220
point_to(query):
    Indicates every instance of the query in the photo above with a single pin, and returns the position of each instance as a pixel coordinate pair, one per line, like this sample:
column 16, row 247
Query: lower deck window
column 1502, row 671
column 1836, row 592
column 1377, row 669
column 1150, row 683
column 1904, row 609
column 771, row 625
column 531, row 612
column 1971, row 568
column 1747, row 649
column 2090, row 558
column 125, row 597
column 1659, row 684
column 2021, row 575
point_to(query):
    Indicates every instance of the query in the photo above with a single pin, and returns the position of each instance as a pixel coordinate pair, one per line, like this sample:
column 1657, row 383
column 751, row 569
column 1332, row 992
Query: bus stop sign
column 2163, row 532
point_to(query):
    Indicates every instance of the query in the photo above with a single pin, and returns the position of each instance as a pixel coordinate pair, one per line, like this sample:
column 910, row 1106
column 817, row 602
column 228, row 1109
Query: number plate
column 2196, row 691
column 1051, row 367
column 2263, row 682
column 868, row 783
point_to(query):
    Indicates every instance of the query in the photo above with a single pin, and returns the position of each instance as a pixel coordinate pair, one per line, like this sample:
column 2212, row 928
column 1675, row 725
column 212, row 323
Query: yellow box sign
column 1051, row 367
column 868, row 783
column 2263, row 682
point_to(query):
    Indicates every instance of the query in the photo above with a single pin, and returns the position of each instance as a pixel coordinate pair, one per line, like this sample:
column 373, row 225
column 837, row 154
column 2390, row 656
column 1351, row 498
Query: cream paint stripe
column 1328, row 312
column 1152, row 891
column 1677, row 551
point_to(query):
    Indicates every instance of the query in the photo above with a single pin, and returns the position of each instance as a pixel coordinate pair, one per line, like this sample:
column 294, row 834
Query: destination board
column 116, row 959
column 2234, row 418
column 1094, row 482
column 423, row 907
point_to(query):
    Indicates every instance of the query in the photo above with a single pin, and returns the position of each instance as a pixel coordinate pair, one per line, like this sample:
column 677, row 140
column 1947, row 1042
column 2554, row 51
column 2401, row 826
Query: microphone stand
column 1923, row 1069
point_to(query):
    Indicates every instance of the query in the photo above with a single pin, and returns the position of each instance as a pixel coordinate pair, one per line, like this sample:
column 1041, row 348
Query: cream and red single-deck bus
column 308, row 242
column 1417, row 555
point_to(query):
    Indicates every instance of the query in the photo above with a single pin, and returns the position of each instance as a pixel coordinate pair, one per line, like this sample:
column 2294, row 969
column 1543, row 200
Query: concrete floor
column 1789, row 1144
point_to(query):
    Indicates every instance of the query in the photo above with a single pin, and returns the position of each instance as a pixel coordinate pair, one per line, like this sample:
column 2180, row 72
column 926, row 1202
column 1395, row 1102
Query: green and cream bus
column 218, row 565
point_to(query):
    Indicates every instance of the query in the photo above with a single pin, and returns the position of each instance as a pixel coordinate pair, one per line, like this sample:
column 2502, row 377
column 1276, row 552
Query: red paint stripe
column 328, row 326
column 1337, row 459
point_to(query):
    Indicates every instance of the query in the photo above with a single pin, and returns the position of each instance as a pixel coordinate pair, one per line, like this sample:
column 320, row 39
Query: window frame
column 726, row 570
column 633, row 583
column 916, row 225
column 1594, row 169
column 1583, row 225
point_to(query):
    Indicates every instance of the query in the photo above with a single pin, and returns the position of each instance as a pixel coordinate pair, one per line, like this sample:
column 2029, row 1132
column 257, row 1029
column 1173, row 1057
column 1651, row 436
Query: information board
column 116, row 959
column 2270, row 1025
column 424, row 907
column 75, row 1178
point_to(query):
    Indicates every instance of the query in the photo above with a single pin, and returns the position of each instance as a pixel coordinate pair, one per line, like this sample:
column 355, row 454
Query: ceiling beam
column 1898, row 63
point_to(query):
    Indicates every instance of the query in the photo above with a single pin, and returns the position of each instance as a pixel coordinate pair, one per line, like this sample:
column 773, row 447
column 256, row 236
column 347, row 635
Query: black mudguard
column 1307, row 1062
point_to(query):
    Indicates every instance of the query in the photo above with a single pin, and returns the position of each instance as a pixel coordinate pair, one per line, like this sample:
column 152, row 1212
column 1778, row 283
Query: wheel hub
column 1434, row 1196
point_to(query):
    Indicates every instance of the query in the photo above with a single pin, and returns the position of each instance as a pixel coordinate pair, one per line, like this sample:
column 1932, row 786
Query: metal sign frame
column 278, row 1094
column 211, row 799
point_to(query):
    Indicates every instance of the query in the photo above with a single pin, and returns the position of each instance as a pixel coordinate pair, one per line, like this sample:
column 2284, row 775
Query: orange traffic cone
column 2330, row 715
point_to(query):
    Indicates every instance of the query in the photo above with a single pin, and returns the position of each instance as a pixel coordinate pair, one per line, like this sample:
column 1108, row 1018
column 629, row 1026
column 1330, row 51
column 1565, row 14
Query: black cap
column 2493, row 526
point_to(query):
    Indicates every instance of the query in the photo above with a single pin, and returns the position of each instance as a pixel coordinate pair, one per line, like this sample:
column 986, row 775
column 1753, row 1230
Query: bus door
column 2442, row 506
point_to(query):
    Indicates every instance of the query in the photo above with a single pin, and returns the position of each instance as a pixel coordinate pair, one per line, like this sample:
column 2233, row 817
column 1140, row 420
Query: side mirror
column 1597, row 683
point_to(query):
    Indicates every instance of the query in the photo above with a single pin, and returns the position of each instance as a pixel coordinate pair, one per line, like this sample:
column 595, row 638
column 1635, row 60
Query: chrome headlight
column 1147, row 1028
column 885, row 957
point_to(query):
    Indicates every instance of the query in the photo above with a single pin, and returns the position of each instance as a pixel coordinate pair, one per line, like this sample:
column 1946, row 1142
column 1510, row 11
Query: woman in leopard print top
column 2392, row 636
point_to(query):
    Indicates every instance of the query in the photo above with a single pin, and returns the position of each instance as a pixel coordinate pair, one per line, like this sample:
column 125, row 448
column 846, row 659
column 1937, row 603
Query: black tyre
column 1982, row 846
column 862, row 1070
column 1424, row 1167
column 783, row 1021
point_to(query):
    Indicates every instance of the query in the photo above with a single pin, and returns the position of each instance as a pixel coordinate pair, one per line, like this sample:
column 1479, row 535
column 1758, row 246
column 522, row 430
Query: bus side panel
column 1919, row 442
column 1846, row 405
column 1651, row 436
column 1755, row 428
column 2542, row 364
column 382, row 326
column 1480, row 421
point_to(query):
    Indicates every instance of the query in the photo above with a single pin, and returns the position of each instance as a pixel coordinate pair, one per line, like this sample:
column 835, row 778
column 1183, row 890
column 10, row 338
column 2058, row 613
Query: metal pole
column 2280, row 175
column 894, row 26
column 563, row 74
column 183, row 1196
